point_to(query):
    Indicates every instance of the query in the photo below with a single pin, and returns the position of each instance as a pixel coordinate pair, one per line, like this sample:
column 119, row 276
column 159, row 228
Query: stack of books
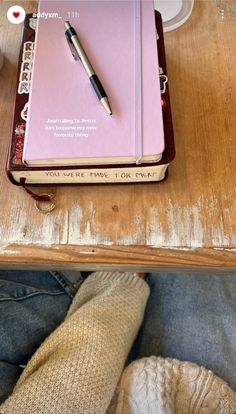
column 61, row 132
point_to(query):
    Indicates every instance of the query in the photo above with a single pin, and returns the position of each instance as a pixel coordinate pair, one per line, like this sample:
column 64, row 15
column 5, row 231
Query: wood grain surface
column 186, row 222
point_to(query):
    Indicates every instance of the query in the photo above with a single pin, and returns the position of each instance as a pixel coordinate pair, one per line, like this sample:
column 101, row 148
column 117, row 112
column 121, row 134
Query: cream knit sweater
column 158, row 385
column 77, row 368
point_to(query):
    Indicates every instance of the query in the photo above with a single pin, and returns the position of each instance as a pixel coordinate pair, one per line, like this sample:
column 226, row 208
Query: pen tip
column 106, row 105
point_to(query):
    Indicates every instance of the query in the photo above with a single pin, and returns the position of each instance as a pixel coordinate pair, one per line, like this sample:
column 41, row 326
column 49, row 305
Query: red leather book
column 20, row 174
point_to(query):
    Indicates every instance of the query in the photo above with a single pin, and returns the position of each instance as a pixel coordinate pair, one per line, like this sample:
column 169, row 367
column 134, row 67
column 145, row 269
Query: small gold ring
column 45, row 207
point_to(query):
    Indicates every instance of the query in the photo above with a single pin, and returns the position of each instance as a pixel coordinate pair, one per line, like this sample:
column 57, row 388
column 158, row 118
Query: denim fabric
column 189, row 317
column 192, row 318
column 32, row 305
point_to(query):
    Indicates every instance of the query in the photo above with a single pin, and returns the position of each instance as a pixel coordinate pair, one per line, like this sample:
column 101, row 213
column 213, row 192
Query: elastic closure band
column 138, row 138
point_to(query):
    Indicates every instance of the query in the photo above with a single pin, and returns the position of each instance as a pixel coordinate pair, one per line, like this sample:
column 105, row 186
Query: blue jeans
column 189, row 317
column 192, row 318
column 32, row 305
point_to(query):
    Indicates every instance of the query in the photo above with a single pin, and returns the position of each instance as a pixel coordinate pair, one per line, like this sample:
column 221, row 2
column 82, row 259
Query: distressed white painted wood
column 188, row 219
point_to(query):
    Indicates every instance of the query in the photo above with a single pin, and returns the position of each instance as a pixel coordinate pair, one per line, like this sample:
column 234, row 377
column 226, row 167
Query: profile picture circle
column 16, row 14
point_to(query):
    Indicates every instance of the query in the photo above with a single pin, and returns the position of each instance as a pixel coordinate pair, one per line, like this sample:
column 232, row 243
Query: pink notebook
column 66, row 123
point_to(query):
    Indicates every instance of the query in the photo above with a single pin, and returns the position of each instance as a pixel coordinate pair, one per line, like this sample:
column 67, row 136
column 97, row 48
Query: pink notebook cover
column 65, row 119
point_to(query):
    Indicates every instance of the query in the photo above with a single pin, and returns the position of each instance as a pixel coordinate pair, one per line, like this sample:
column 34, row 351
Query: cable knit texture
column 77, row 368
column 156, row 385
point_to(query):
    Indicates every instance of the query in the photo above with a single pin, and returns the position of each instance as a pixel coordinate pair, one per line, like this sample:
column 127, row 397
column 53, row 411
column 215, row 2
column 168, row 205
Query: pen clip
column 71, row 46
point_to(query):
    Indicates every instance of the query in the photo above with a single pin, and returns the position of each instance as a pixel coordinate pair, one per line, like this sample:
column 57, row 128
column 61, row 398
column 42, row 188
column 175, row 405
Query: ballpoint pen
column 73, row 40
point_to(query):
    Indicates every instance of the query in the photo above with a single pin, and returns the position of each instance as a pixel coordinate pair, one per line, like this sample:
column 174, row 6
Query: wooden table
column 187, row 222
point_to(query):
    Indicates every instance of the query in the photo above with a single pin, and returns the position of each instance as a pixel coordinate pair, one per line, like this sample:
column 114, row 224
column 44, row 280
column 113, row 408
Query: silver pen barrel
column 95, row 82
column 81, row 53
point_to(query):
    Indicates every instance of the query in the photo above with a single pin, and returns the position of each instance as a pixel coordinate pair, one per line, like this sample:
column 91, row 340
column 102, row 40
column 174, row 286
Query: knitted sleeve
column 77, row 367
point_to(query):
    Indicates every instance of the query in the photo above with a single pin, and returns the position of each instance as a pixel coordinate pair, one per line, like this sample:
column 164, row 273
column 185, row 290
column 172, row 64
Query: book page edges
column 93, row 175
column 92, row 161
